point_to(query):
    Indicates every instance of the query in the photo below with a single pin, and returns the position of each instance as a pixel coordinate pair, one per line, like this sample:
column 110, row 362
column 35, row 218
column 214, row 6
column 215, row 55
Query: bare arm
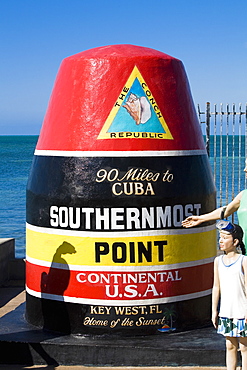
column 214, row 215
column 215, row 294
column 245, row 279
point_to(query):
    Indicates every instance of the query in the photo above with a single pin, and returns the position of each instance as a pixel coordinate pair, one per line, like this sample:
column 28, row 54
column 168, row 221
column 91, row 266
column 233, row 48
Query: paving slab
column 19, row 367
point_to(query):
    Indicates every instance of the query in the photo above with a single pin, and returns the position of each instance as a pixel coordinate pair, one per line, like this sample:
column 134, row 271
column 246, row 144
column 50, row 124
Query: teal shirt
column 242, row 216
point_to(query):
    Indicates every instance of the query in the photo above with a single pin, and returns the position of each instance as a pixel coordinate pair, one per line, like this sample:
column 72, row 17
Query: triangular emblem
column 135, row 113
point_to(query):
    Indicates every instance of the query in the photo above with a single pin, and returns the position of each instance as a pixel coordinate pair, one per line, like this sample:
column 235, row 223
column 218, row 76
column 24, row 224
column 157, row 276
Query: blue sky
column 210, row 37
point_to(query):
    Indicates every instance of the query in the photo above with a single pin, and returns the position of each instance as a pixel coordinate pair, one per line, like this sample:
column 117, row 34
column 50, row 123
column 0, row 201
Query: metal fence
column 225, row 131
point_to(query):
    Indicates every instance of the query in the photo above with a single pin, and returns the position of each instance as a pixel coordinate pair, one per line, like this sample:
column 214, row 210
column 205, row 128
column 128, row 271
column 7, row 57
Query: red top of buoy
column 121, row 98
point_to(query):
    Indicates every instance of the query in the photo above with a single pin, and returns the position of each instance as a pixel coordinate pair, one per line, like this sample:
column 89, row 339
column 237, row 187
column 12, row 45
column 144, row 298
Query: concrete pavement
column 17, row 367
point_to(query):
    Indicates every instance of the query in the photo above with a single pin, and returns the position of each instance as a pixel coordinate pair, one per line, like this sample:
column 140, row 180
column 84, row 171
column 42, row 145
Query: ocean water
column 227, row 157
column 16, row 154
column 227, row 160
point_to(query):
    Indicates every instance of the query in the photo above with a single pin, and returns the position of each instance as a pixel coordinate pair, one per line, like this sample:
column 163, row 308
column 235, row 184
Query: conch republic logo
column 136, row 113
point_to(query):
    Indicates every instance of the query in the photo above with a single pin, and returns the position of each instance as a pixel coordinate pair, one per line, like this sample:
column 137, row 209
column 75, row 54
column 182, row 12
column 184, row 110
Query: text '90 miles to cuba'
column 132, row 181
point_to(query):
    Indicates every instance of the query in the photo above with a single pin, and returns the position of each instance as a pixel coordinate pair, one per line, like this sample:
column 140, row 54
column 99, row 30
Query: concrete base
column 7, row 253
column 21, row 343
column 11, row 269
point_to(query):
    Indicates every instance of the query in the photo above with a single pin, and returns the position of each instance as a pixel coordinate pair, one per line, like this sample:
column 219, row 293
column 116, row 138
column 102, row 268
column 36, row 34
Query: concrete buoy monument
column 119, row 163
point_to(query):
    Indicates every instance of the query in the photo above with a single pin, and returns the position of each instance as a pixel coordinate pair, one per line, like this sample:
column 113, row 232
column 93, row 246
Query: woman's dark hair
column 238, row 234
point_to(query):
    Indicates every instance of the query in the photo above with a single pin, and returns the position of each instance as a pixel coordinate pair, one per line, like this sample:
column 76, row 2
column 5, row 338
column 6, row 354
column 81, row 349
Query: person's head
column 230, row 235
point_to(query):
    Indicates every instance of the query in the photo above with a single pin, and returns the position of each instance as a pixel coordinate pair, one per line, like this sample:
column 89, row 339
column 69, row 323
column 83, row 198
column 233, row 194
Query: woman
column 229, row 288
column 238, row 204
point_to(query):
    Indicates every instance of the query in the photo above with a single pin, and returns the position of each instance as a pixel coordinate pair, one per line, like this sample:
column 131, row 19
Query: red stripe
column 113, row 285
column 78, row 111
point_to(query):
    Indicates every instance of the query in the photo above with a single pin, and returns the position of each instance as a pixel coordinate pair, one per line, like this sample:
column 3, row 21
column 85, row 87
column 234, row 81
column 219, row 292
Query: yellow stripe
column 179, row 248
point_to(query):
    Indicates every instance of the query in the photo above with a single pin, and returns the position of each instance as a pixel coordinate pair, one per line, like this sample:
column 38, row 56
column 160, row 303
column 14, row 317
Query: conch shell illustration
column 138, row 108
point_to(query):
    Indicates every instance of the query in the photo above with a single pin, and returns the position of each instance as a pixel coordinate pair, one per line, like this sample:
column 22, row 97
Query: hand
column 192, row 221
column 215, row 319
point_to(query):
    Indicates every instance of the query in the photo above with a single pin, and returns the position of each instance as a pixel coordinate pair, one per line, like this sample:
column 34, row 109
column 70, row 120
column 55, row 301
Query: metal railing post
column 208, row 128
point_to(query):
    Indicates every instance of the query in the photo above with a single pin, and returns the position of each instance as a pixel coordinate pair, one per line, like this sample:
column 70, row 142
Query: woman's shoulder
column 236, row 201
column 243, row 192
column 216, row 260
column 244, row 264
column 244, row 259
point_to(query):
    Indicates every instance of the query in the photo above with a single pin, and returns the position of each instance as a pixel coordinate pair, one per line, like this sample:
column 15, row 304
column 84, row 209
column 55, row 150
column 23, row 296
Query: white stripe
column 129, row 269
column 140, row 153
column 114, row 234
column 128, row 302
